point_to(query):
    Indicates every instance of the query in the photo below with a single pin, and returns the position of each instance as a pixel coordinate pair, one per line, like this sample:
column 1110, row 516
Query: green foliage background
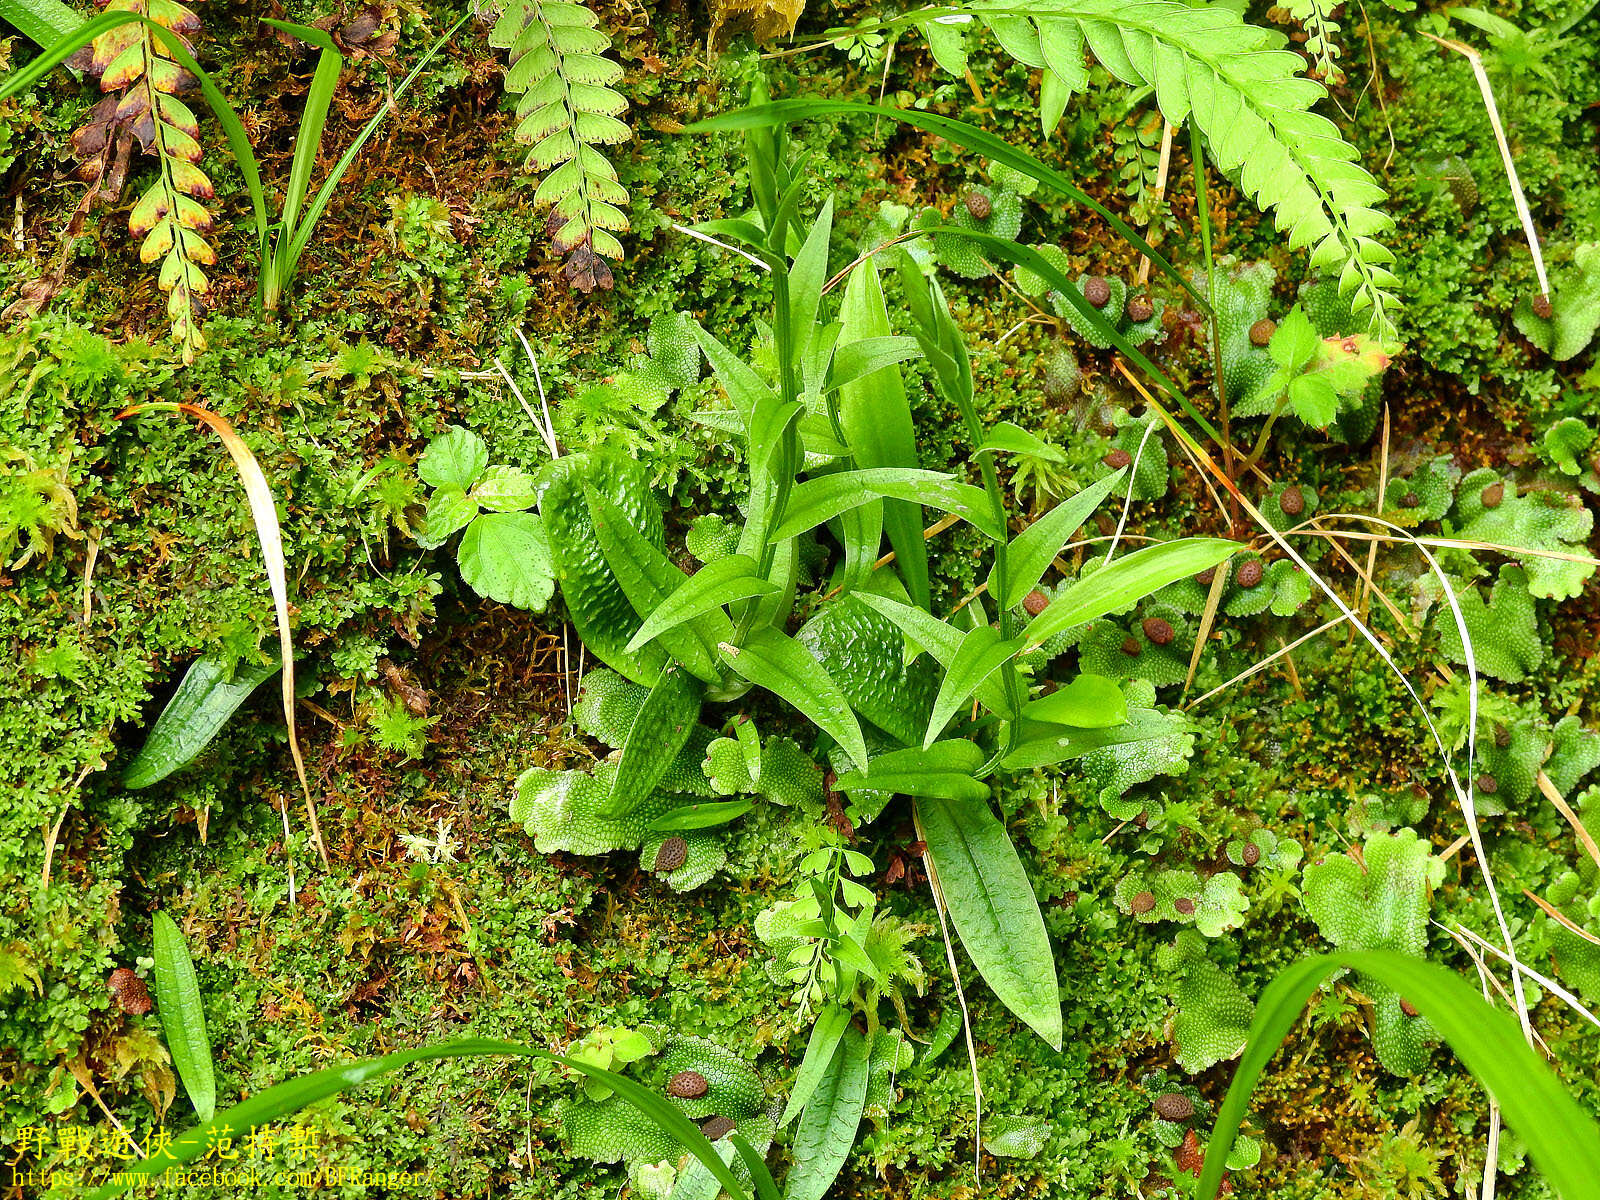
column 429, row 256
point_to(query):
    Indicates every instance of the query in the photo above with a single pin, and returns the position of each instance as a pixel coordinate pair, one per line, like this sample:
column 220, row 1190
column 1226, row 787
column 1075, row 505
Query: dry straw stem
column 264, row 513
column 1532, row 234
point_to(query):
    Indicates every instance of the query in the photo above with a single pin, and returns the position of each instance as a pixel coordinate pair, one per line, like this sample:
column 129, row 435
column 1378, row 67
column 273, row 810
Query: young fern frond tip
column 566, row 109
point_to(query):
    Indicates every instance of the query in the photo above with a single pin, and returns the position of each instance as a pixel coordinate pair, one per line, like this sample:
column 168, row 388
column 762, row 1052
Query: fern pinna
column 143, row 85
column 1243, row 91
column 567, row 108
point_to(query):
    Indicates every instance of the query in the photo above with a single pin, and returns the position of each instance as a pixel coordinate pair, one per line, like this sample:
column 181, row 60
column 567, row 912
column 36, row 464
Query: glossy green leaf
column 1032, row 551
column 876, row 416
column 1087, row 702
column 713, row 585
column 183, row 1015
column 993, row 908
column 456, row 458
column 707, row 814
column 1562, row 1138
column 947, row 768
column 291, row 1096
column 827, row 1130
column 856, row 360
column 822, row 499
column 648, row 577
column 505, row 556
column 1010, row 438
column 775, row 661
column 982, row 652
column 1114, row 587
column 939, row 638
column 198, row 710
column 826, row 1033
column 663, row 725
column 1043, row 745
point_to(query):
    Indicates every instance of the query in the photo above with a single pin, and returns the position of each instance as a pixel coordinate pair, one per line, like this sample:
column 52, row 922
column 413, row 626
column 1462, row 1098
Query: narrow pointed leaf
column 775, row 661
column 712, row 586
column 1087, row 702
column 183, row 1016
column 827, row 1129
column 659, row 731
column 982, row 652
column 830, row 1025
column 945, row 768
column 1114, row 587
column 821, row 499
column 1032, row 551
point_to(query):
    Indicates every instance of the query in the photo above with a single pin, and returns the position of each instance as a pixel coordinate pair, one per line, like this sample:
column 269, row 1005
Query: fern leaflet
column 1243, row 91
column 143, row 83
column 566, row 109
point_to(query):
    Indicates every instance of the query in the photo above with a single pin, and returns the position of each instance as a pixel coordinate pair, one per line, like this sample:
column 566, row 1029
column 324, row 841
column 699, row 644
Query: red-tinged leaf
column 179, row 115
column 191, row 181
column 168, row 76
column 124, row 69
column 158, row 241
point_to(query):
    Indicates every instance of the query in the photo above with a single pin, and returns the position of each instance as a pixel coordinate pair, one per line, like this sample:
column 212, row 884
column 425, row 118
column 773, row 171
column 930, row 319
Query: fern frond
column 143, row 85
column 566, row 109
column 1242, row 90
column 1316, row 18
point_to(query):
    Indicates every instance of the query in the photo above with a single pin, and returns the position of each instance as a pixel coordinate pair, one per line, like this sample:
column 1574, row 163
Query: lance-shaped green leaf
column 856, row 360
column 291, row 1096
column 1562, row 1139
column 1087, row 702
column 744, row 386
column 715, row 584
column 773, row 660
column 1041, row 745
column 657, row 734
column 993, row 908
column 196, row 713
column 982, row 652
column 947, row 768
column 1126, row 580
column 1010, row 438
column 831, row 1023
column 876, row 416
column 183, row 1016
column 648, row 577
column 818, row 500
column 807, row 275
column 939, row 638
column 706, row 814
column 827, row 1129
column 1032, row 551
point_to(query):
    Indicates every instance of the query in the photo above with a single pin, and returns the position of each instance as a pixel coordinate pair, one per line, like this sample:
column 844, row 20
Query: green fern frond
column 143, row 83
column 566, row 109
column 1244, row 93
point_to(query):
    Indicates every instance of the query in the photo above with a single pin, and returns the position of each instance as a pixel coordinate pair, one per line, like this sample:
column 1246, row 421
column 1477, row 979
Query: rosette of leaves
column 1426, row 493
column 1564, row 323
column 1143, row 439
column 567, row 109
column 1380, row 901
column 996, row 211
column 1489, row 509
column 143, row 84
column 504, row 553
column 1156, row 743
column 701, row 1079
column 1503, row 630
column 1262, row 849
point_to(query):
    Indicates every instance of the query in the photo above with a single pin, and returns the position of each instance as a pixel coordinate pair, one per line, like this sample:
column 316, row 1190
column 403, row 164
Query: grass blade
column 1562, row 1139
column 295, row 1094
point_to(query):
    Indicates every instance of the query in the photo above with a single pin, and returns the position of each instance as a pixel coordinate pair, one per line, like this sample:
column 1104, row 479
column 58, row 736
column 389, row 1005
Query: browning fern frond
column 1244, row 93
column 143, row 84
column 566, row 109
